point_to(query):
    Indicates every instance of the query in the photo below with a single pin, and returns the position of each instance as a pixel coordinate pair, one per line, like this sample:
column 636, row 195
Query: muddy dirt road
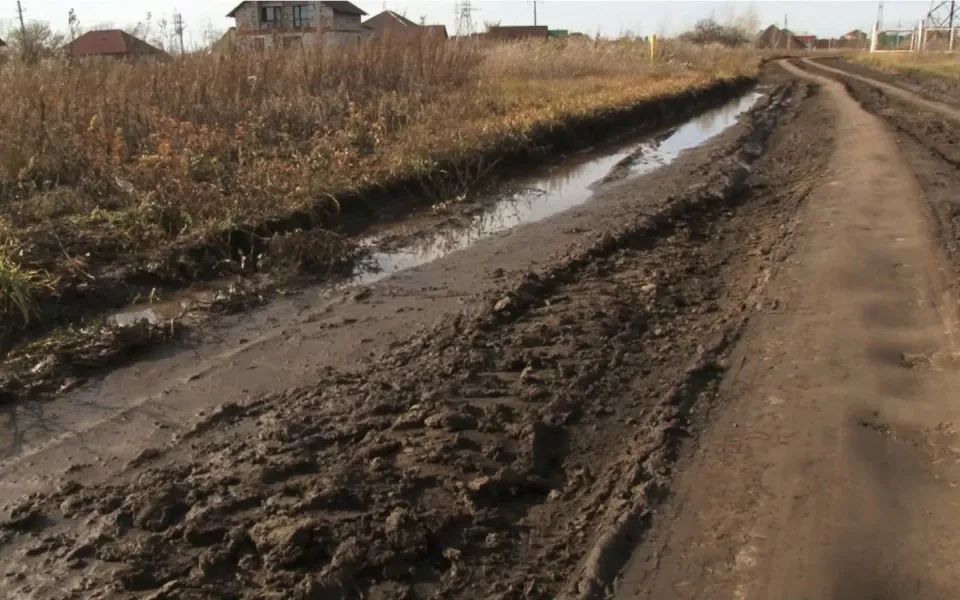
column 727, row 377
column 831, row 466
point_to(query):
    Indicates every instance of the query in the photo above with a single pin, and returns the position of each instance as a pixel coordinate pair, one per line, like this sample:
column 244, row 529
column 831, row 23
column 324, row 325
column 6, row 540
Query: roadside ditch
column 59, row 361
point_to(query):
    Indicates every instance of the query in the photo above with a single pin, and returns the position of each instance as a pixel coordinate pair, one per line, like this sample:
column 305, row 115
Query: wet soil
column 827, row 469
column 512, row 449
column 930, row 144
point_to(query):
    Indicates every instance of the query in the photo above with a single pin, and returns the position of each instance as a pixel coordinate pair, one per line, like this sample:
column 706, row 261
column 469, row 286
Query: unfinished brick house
column 261, row 25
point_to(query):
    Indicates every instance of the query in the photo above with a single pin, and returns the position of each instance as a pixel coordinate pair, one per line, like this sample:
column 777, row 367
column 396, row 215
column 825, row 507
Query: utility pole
column 178, row 29
column 24, row 42
column 535, row 2
column 786, row 31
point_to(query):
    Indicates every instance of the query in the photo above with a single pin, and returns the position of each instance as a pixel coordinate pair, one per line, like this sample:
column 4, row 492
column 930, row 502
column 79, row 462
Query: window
column 270, row 16
column 302, row 15
column 292, row 41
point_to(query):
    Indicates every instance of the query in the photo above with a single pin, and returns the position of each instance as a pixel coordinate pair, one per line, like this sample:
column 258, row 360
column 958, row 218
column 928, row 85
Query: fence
column 918, row 39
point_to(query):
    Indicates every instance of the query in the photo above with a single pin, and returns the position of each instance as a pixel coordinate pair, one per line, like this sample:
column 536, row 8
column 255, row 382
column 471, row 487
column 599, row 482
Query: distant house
column 774, row 38
column 506, row 33
column 855, row 35
column 260, row 25
column 111, row 42
column 809, row 41
column 389, row 24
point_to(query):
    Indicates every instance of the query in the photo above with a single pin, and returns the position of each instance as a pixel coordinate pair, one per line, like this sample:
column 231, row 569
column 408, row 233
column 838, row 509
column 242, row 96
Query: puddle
column 558, row 190
column 546, row 194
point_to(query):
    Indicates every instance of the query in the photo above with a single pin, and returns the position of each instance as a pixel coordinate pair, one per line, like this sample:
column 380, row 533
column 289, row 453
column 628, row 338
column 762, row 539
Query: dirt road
column 830, row 471
column 731, row 377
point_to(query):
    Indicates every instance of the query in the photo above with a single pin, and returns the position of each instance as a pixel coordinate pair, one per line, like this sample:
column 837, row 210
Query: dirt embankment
column 509, row 453
column 929, row 142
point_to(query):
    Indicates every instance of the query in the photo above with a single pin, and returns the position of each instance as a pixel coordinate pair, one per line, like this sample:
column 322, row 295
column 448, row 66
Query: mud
column 511, row 451
column 931, row 145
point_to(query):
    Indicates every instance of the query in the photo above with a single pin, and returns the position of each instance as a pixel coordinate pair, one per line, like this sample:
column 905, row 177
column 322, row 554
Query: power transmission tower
column 942, row 15
column 464, row 10
column 178, row 28
column 880, row 15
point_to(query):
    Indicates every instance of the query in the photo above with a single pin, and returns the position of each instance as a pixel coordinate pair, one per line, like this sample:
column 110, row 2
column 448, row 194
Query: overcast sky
column 608, row 17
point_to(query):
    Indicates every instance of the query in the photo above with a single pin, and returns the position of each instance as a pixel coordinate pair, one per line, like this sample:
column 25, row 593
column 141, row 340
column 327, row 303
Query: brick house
column 389, row 24
column 264, row 24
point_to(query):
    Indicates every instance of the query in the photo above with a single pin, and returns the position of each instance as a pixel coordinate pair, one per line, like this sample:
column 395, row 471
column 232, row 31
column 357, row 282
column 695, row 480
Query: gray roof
column 340, row 6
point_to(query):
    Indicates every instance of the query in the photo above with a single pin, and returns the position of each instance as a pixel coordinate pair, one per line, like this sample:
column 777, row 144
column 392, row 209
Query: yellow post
column 653, row 48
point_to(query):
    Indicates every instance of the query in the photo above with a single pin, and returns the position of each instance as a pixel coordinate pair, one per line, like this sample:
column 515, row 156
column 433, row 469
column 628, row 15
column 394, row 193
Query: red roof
column 110, row 42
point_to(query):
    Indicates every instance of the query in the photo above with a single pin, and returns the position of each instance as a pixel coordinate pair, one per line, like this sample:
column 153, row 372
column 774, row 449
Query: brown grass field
column 937, row 64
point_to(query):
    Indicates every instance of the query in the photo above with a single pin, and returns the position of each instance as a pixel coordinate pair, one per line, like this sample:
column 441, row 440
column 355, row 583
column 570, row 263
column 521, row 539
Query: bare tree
column 36, row 40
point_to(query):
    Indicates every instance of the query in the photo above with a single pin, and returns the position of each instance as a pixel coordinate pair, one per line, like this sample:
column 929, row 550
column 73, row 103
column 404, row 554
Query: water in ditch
column 540, row 196
column 558, row 190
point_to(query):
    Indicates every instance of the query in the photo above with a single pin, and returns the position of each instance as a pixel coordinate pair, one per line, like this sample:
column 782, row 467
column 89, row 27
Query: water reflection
column 558, row 190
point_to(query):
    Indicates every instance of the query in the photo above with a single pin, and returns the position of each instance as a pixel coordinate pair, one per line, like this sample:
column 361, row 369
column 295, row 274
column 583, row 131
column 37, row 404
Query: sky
column 827, row 18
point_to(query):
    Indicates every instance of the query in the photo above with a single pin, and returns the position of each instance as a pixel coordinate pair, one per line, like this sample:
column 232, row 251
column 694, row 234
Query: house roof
column 110, row 42
column 774, row 37
column 856, row 33
column 340, row 6
column 389, row 17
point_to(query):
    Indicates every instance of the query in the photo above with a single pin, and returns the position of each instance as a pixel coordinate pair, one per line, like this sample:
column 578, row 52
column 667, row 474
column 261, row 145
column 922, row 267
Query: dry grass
column 102, row 161
column 913, row 63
